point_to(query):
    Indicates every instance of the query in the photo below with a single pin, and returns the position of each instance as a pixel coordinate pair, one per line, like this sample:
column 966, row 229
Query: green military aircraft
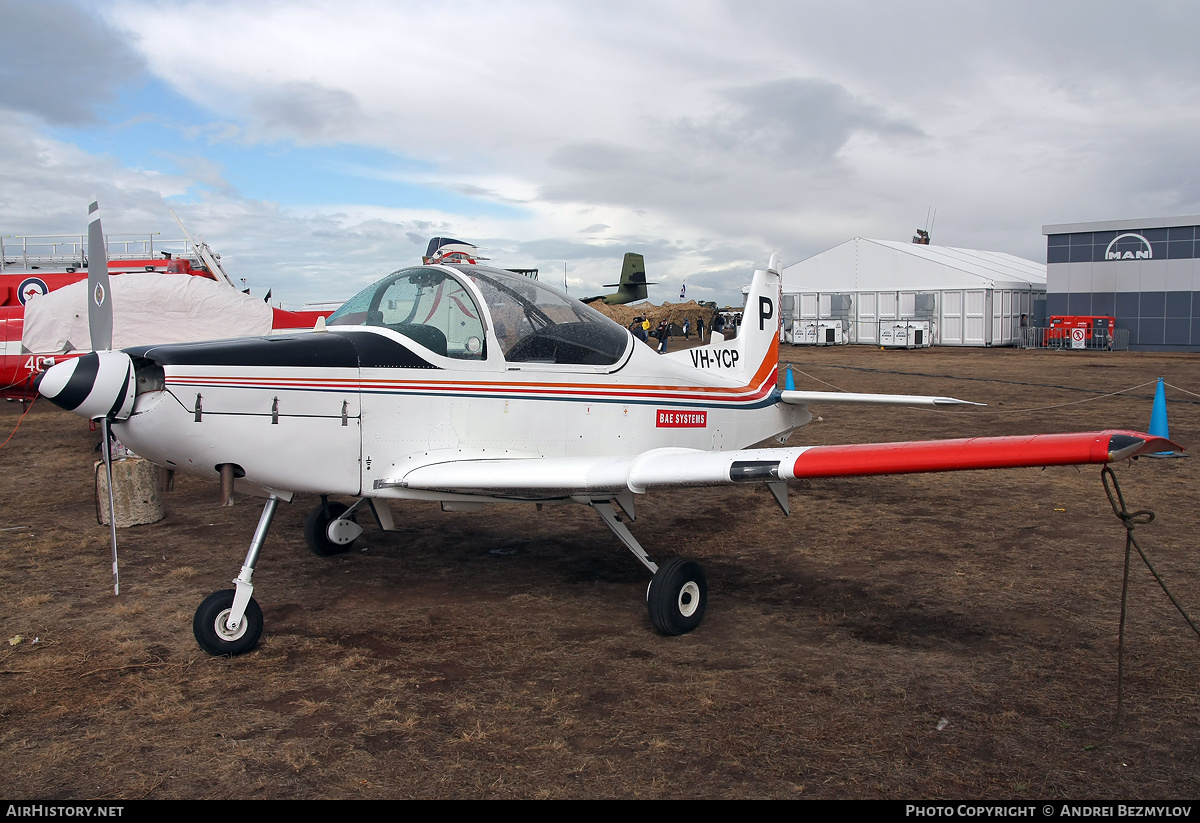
column 632, row 286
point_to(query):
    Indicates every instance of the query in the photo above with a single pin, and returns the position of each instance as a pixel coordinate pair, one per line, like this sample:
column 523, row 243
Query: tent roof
column 861, row 264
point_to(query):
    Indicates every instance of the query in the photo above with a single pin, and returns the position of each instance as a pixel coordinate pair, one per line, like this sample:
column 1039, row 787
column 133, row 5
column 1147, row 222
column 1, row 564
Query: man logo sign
column 1129, row 246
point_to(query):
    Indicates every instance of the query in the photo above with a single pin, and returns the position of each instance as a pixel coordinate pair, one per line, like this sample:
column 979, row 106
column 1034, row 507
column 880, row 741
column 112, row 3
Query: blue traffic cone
column 1158, row 418
column 789, row 384
column 1158, row 414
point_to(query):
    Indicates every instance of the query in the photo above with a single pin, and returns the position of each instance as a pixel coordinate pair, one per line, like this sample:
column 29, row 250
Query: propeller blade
column 100, row 314
column 106, row 427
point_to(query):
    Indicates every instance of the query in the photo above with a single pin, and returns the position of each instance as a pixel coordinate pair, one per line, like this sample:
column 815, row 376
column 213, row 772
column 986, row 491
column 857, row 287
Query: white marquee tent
column 970, row 298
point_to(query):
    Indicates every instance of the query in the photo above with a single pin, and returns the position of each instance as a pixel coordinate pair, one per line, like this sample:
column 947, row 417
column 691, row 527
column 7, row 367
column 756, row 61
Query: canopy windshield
column 533, row 322
column 538, row 324
column 426, row 305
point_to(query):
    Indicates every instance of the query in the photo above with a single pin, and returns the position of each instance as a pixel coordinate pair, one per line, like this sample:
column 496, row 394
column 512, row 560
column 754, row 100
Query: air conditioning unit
column 904, row 334
column 818, row 333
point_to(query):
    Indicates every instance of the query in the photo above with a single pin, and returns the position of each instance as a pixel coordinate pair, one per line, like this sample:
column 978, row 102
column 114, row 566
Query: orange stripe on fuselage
column 761, row 384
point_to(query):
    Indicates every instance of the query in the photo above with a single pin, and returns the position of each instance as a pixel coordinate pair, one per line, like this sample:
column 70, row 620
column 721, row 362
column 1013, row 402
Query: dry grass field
column 932, row 636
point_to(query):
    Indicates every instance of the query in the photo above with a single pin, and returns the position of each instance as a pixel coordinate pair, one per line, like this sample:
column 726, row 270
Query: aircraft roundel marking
column 31, row 287
column 98, row 294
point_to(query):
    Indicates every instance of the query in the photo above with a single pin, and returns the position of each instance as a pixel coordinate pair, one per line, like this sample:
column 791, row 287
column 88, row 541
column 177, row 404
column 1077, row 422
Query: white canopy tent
column 969, row 297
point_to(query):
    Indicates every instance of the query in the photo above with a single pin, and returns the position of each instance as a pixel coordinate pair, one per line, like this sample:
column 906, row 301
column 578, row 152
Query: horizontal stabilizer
column 803, row 398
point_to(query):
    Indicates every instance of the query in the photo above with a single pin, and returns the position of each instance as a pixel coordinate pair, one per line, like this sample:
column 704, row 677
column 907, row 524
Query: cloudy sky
column 318, row 145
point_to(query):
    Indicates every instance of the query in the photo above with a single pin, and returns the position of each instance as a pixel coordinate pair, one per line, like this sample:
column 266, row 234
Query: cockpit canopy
column 533, row 323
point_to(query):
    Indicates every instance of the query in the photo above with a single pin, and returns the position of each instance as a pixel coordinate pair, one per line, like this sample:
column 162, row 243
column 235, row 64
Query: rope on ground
column 1129, row 520
column 984, row 380
column 819, row 380
column 1069, row 402
column 14, row 431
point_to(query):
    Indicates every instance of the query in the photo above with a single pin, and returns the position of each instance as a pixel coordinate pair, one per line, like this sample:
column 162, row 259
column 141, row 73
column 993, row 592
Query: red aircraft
column 32, row 266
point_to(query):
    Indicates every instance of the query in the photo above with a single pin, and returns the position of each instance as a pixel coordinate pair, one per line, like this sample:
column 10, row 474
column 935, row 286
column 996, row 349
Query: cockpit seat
column 428, row 336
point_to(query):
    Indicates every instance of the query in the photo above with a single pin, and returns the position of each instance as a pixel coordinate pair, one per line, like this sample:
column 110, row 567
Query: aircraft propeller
column 99, row 385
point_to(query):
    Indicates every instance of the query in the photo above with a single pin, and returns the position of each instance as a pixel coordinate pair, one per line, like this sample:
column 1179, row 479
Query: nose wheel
column 230, row 622
column 211, row 625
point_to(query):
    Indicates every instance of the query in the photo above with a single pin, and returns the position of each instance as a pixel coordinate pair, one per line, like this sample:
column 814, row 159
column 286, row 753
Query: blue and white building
column 1144, row 272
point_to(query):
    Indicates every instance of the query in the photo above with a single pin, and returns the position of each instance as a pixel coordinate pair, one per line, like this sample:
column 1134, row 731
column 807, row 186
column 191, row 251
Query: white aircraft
column 469, row 385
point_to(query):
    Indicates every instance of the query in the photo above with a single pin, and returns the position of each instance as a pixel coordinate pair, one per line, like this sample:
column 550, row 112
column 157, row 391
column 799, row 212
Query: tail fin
column 633, row 281
column 752, row 356
column 758, row 336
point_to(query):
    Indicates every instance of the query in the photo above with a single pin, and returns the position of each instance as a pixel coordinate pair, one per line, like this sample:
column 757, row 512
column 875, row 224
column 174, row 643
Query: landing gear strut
column 678, row 592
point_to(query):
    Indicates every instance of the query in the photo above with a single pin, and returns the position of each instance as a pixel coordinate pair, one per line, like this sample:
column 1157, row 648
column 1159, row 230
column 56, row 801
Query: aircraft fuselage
column 354, row 428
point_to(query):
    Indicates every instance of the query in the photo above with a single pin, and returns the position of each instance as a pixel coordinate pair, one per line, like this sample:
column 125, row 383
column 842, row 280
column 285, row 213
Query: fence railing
column 1092, row 339
column 51, row 251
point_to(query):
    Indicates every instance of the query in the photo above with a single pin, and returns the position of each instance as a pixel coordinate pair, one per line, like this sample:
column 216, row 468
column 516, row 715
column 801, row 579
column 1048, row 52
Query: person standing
column 662, row 333
column 687, row 329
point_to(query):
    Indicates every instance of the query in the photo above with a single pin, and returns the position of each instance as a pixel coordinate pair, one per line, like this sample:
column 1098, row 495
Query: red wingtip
column 979, row 453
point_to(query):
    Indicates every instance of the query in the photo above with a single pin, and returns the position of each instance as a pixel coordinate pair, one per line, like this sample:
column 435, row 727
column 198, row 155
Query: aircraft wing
column 533, row 477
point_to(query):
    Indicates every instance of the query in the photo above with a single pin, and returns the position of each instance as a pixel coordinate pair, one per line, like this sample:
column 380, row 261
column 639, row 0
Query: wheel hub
column 689, row 598
column 223, row 631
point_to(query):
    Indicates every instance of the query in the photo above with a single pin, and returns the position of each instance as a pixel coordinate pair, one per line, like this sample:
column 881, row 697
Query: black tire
column 315, row 534
column 209, row 626
column 677, row 596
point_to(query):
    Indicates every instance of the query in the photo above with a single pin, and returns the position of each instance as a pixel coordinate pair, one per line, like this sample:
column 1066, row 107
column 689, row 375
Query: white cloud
column 58, row 60
column 704, row 134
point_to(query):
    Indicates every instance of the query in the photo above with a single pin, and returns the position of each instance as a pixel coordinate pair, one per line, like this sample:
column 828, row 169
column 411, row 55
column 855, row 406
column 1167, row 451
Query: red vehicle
column 1080, row 331
column 33, row 266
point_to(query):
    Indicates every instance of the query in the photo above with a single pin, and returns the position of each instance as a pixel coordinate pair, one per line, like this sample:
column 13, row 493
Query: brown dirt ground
column 934, row 636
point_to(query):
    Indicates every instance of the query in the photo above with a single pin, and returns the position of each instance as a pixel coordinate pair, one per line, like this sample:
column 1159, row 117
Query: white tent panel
column 867, row 323
column 974, row 318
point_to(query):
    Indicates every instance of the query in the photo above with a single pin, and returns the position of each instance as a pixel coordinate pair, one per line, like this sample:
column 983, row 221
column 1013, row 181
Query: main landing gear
column 324, row 541
column 677, row 595
column 678, row 592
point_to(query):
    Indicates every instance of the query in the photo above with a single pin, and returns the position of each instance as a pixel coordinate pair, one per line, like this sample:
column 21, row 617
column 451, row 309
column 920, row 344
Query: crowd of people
column 722, row 323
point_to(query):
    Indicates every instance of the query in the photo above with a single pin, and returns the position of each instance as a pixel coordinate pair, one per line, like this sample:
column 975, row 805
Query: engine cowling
column 95, row 385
